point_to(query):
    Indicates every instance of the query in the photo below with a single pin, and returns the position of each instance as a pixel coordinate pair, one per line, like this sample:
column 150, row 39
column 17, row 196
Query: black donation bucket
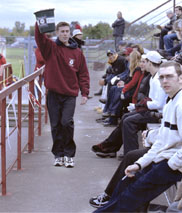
column 45, row 20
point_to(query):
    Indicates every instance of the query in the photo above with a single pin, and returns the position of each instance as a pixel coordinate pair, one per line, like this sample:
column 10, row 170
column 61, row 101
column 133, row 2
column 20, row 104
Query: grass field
column 15, row 56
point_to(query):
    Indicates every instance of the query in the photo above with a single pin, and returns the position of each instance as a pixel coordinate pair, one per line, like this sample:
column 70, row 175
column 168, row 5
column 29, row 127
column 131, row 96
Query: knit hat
column 154, row 57
column 128, row 50
column 77, row 32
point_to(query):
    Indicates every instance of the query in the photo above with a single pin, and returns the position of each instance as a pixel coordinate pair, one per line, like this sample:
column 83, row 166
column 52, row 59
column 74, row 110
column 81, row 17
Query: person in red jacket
column 39, row 59
column 2, row 59
column 65, row 74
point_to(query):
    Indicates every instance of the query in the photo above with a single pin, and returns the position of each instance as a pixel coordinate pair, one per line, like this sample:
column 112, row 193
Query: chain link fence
column 19, row 51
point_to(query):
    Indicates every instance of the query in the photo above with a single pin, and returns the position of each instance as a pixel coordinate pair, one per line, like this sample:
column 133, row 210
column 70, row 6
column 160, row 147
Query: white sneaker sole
column 97, row 205
column 104, row 155
column 69, row 165
column 59, row 164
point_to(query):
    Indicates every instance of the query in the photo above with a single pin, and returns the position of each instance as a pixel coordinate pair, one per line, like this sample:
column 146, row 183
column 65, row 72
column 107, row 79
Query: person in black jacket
column 164, row 30
column 117, row 66
column 77, row 36
column 118, row 29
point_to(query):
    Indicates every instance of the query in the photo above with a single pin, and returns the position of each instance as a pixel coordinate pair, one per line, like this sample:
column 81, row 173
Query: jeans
column 133, row 193
column 128, row 159
column 61, row 111
column 168, row 40
column 114, row 102
column 172, row 51
column 117, row 40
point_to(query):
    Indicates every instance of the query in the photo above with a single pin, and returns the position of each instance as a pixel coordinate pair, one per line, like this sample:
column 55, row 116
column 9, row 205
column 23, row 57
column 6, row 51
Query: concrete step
column 12, row 122
column 25, row 106
column 24, row 112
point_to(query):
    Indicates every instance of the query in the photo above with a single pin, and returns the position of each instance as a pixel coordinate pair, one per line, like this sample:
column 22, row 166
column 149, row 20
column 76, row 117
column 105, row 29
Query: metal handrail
column 17, row 86
column 148, row 13
column 6, row 77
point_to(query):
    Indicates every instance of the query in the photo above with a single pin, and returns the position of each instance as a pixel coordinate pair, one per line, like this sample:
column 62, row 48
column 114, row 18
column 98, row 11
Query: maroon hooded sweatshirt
column 65, row 66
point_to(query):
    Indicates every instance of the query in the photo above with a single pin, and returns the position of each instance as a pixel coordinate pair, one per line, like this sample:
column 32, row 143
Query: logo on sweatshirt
column 71, row 62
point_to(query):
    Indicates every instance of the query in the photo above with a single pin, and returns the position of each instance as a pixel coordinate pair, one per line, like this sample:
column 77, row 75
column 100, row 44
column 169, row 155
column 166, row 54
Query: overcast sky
column 84, row 11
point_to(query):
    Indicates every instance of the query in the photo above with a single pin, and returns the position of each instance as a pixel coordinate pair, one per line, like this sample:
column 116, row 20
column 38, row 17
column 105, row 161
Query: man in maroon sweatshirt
column 65, row 74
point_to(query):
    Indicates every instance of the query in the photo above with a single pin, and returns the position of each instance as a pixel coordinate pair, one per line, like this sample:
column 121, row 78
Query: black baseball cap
column 111, row 52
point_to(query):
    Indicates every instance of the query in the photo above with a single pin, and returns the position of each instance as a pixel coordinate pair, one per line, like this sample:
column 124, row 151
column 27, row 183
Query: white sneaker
column 68, row 162
column 59, row 161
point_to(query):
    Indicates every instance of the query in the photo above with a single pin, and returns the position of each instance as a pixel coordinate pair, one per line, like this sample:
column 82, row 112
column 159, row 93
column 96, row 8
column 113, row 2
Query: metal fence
column 11, row 148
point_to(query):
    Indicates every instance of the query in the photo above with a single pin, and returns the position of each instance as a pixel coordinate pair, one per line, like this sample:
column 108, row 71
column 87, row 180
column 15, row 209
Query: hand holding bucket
column 45, row 20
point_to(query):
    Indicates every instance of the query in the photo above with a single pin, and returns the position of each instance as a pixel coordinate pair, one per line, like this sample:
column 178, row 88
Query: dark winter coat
column 79, row 42
column 119, row 27
column 118, row 67
column 169, row 26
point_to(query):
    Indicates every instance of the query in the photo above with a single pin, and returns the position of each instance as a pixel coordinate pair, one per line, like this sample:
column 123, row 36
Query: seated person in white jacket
column 161, row 166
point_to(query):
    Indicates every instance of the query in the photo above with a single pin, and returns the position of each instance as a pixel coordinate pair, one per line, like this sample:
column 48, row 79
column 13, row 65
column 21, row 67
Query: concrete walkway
column 41, row 187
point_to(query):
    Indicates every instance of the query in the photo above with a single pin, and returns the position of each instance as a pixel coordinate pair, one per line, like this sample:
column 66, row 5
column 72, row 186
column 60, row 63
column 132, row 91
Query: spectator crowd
column 140, row 87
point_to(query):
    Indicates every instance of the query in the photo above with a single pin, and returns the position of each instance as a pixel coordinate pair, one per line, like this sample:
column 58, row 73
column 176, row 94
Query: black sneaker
column 100, row 120
column 98, row 93
column 106, row 154
column 157, row 35
column 103, row 101
column 112, row 121
column 103, row 152
column 100, row 200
